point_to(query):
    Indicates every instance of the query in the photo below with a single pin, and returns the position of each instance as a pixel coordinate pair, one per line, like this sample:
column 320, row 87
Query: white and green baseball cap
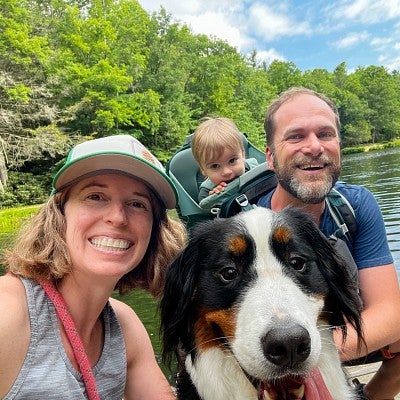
column 120, row 153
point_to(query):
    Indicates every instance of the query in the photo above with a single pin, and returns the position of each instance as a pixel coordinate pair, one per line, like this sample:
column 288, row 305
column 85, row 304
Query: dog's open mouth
column 310, row 388
column 287, row 389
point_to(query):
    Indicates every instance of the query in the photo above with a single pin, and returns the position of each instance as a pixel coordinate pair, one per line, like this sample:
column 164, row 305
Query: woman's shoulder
column 14, row 329
column 12, row 297
column 14, row 314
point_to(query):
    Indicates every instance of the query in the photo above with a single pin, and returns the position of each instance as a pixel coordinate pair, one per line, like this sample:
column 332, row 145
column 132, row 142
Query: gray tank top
column 47, row 372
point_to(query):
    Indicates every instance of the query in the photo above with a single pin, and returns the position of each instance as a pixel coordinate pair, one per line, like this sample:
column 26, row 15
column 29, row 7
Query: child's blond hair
column 213, row 136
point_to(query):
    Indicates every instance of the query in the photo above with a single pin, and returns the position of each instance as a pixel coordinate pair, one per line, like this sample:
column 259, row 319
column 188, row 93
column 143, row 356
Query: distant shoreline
column 370, row 147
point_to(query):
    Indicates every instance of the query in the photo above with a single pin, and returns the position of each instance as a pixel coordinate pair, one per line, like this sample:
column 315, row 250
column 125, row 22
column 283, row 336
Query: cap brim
column 138, row 168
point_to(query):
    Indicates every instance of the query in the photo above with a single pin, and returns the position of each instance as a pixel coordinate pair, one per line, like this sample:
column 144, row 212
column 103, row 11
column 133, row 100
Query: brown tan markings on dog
column 206, row 336
column 237, row 245
column 282, row 235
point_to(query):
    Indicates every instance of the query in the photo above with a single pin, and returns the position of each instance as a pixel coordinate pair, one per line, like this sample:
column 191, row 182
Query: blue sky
column 310, row 33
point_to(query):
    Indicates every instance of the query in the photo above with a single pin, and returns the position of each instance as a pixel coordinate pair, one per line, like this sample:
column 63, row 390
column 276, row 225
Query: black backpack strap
column 250, row 192
column 343, row 214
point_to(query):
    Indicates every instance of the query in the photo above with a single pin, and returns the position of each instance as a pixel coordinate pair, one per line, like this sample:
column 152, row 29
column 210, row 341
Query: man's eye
column 295, row 138
column 327, row 135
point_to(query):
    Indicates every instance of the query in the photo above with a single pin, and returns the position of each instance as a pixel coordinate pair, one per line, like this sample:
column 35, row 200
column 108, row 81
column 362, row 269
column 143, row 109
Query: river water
column 379, row 171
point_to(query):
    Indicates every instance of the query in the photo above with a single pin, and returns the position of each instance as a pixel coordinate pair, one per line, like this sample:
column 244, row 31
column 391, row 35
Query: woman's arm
column 145, row 380
column 14, row 330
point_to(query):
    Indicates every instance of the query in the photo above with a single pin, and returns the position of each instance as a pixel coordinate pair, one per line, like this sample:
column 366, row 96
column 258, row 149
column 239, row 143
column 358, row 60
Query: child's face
column 225, row 168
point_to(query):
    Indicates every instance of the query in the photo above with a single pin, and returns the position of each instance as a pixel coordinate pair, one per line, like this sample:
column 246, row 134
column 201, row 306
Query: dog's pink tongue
column 315, row 388
column 312, row 388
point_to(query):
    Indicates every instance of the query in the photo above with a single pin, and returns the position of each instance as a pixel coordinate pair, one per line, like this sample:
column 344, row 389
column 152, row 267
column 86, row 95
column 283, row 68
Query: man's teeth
column 311, row 166
column 109, row 243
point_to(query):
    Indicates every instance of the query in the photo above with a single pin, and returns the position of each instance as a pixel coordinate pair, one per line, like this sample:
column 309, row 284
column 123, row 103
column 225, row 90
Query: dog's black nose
column 286, row 346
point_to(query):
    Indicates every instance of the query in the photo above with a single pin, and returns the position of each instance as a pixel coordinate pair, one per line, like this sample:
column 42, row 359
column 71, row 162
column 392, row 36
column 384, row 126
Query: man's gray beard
column 308, row 193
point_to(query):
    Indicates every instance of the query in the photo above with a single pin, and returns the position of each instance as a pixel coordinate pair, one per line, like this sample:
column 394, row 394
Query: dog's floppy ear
column 343, row 302
column 175, row 305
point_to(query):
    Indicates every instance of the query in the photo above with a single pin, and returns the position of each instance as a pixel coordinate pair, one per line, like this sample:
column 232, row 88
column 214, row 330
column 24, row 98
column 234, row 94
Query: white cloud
column 268, row 56
column 175, row 7
column 215, row 24
column 390, row 63
column 368, row 11
column 270, row 24
column 351, row 40
column 212, row 17
column 381, row 42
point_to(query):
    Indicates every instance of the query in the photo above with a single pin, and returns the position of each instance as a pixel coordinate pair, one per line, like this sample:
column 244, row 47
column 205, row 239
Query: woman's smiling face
column 109, row 220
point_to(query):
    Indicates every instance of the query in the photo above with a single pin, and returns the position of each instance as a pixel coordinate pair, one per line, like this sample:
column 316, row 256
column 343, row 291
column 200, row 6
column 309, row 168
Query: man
column 303, row 148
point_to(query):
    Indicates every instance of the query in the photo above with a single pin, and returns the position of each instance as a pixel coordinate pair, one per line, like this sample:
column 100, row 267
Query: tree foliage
column 88, row 68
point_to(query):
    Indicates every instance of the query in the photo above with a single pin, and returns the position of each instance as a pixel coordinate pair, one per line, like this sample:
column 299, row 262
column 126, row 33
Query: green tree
column 322, row 81
column 100, row 59
column 283, row 75
column 380, row 90
column 168, row 71
column 27, row 103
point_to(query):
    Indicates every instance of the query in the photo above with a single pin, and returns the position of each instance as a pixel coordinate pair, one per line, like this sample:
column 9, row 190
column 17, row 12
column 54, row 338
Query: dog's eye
column 298, row 264
column 228, row 274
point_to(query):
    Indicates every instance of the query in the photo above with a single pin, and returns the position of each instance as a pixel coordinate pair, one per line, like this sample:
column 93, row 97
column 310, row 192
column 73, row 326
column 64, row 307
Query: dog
column 249, row 306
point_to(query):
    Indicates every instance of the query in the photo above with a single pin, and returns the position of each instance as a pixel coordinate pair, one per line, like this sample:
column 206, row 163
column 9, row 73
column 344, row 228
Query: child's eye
column 213, row 166
column 233, row 160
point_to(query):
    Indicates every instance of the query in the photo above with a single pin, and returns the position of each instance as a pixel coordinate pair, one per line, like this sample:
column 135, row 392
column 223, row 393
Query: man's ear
column 270, row 158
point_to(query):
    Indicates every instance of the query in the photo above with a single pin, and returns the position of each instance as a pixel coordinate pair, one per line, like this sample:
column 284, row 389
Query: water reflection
column 379, row 171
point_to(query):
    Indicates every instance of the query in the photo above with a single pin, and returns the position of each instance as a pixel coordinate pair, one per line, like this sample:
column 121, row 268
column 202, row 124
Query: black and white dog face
column 249, row 305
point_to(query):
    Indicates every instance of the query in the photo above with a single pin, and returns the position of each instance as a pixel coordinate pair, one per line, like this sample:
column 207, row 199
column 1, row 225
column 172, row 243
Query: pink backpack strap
column 74, row 339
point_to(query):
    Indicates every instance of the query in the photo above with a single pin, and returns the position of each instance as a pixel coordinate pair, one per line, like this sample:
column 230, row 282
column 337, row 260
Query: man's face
column 306, row 151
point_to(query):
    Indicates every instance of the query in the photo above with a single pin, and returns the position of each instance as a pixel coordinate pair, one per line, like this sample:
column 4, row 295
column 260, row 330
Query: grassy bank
column 370, row 147
column 10, row 221
column 11, row 218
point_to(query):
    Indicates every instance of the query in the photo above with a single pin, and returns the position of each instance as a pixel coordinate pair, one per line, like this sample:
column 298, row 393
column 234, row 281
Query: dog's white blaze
column 274, row 298
column 215, row 376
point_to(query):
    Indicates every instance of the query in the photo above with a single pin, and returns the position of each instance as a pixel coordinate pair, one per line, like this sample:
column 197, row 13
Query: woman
column 105, row 227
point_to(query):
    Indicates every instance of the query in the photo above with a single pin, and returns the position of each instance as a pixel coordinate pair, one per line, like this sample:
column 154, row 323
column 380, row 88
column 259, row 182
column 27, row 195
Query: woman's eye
column 228, row 274
column 139, row 205
column 298, row 264
column 94, row 196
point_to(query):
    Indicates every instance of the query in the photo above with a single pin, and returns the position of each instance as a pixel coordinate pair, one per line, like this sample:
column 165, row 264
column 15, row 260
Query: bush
column 25, row 188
